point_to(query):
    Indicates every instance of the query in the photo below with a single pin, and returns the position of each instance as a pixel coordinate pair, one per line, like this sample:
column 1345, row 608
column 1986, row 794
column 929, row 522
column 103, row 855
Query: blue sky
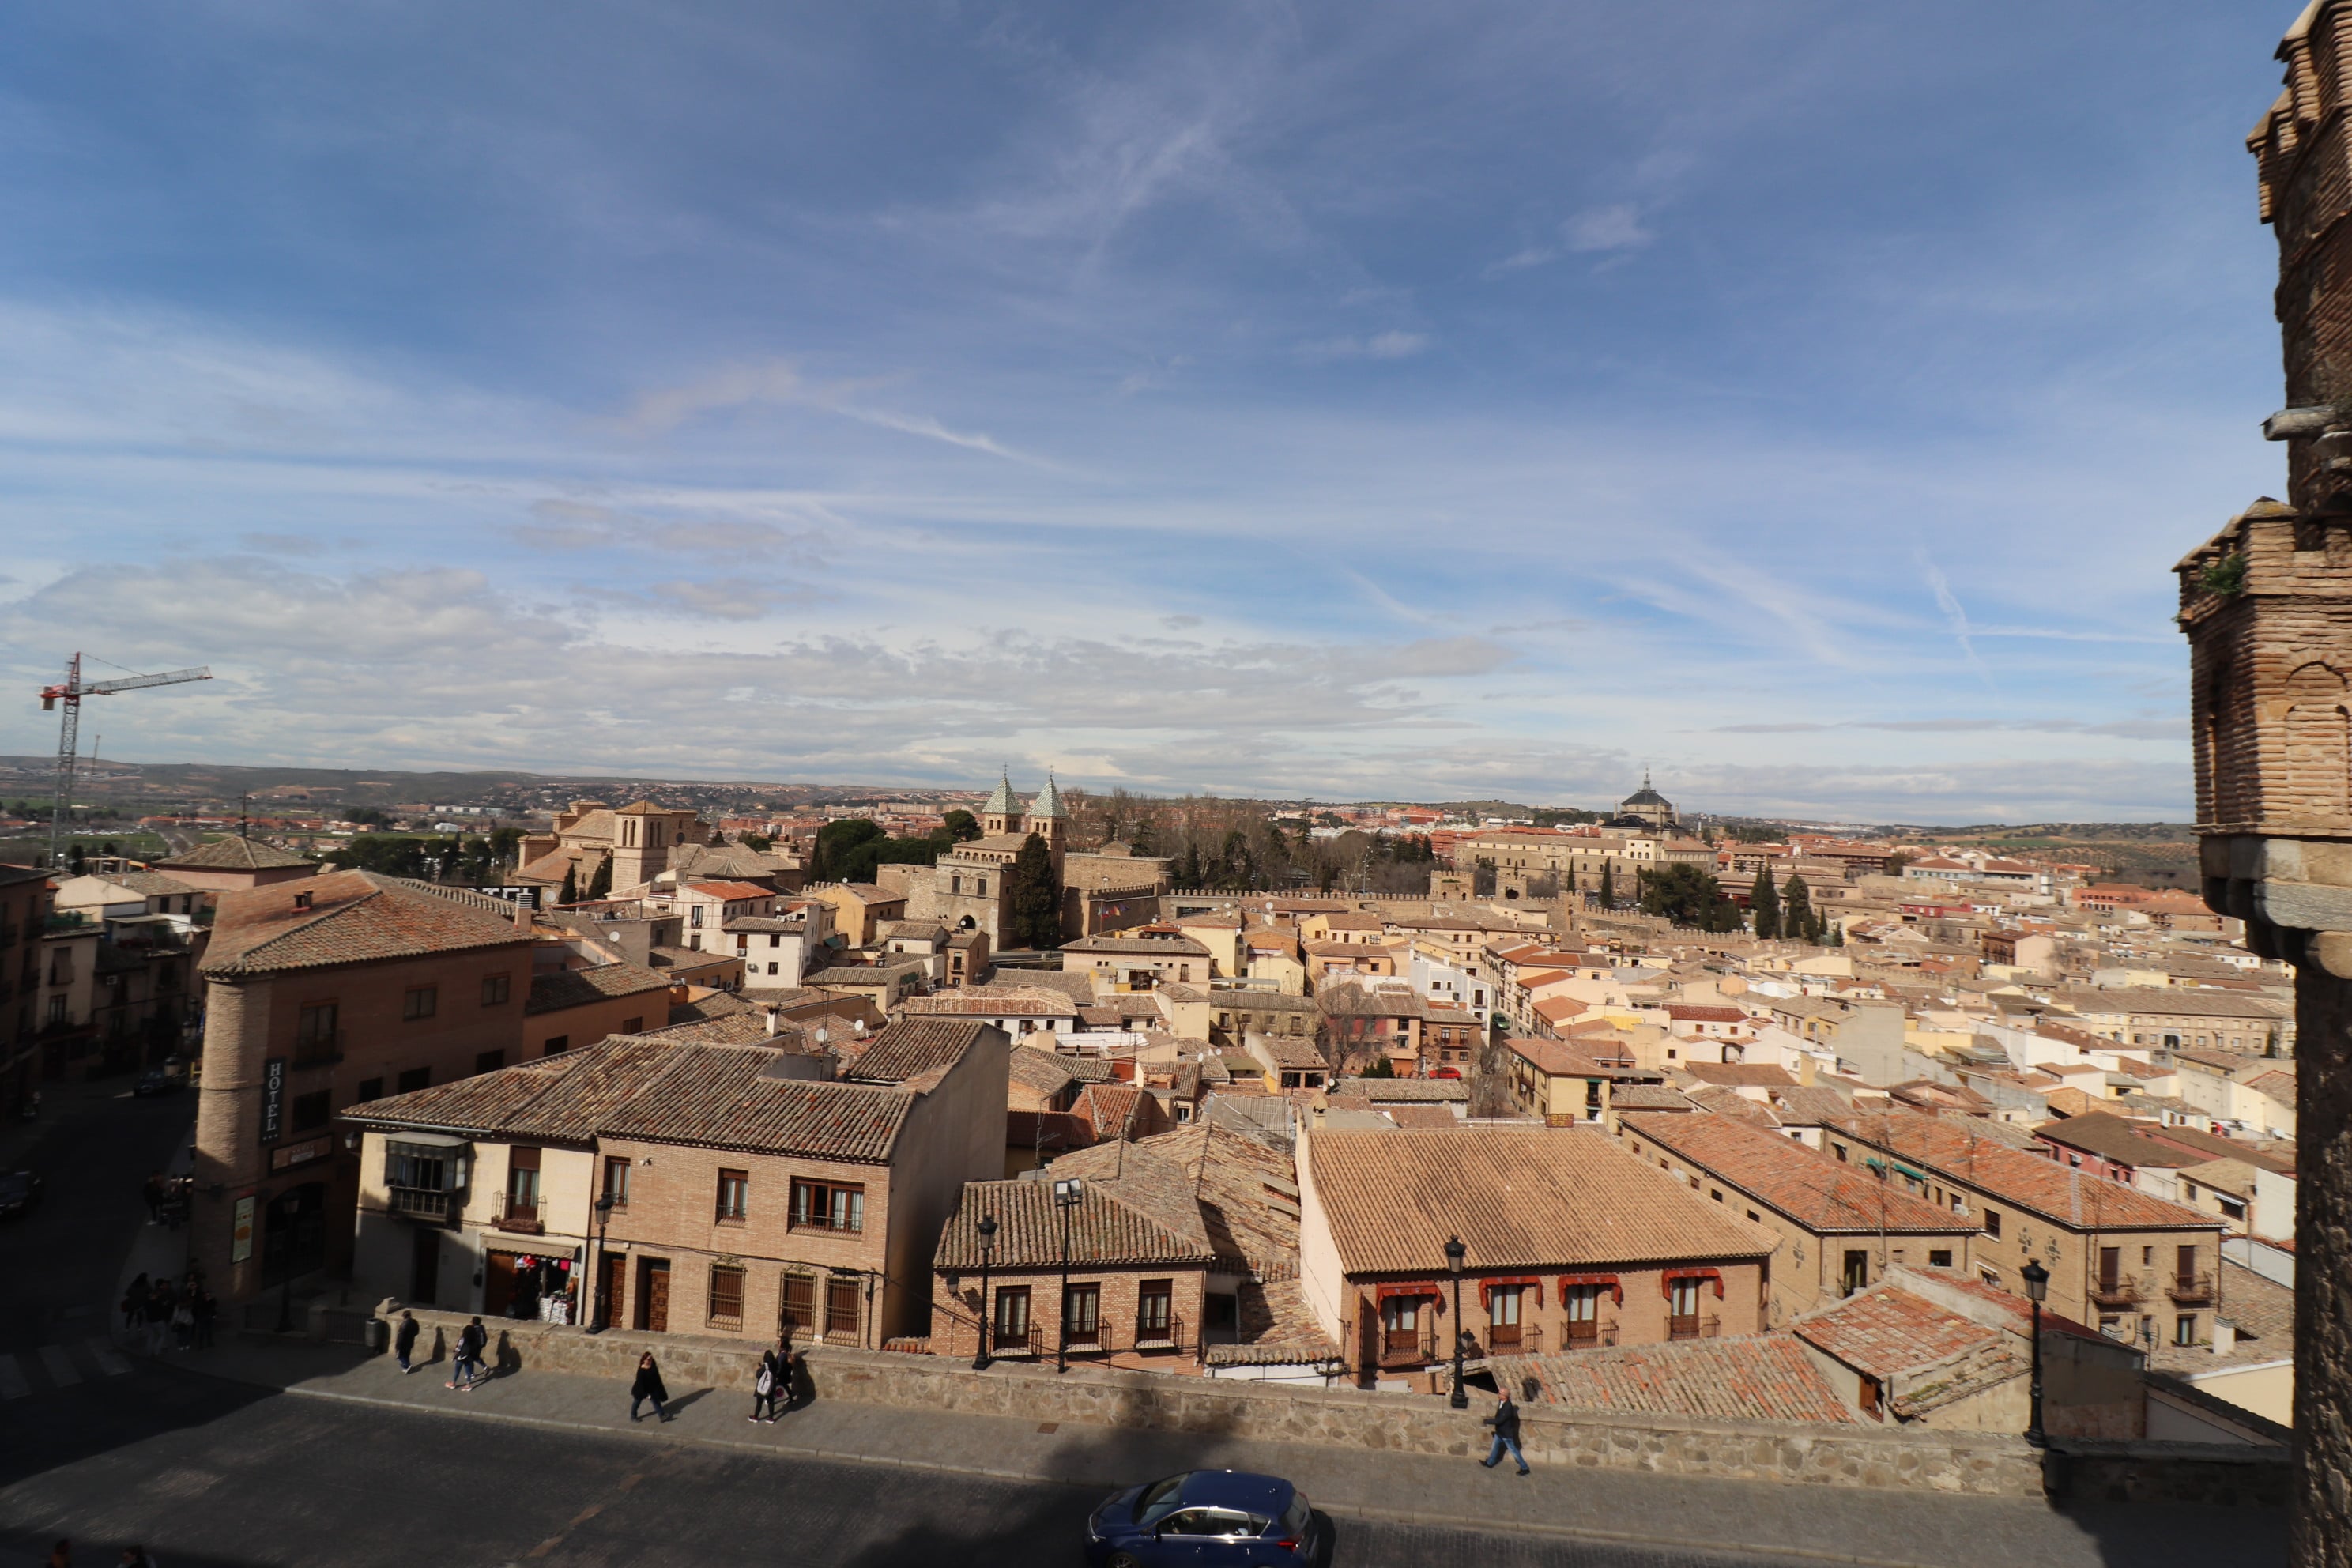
column 1805, row 401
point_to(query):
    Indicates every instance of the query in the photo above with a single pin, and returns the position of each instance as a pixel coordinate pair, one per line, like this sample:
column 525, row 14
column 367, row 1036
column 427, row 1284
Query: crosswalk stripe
column 12, row 1379
column 108, row 1362
column 60, row 1366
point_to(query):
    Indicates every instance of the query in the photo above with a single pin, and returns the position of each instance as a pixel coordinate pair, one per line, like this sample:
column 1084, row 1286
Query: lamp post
column 2037, row 1287
column 596, row 1324
column 1454, row 1253
column 1066, row 1194
column 987, row 1245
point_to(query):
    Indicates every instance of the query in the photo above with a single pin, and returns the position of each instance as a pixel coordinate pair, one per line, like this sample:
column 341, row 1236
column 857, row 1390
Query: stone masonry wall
column 1964, row 1463
column 2322, row 1236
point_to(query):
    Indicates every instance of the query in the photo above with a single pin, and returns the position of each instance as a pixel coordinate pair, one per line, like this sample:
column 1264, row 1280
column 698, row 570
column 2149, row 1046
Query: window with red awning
column 1486, row 1287
column 1666, row 1286
column 1609, row 1281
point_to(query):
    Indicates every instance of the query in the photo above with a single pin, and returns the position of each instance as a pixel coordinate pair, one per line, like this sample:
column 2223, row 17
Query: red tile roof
column 1955, row 1150
column 1763, row 1377
column 351, row 917
column 1818, row 1193
column 1888, row 1330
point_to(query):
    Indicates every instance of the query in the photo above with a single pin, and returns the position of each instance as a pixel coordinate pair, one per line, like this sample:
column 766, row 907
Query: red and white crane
column 70, row 691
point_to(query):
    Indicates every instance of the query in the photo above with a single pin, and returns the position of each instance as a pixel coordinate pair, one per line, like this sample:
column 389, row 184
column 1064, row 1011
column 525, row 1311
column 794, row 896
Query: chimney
column 776, row 1021
column 2225, row 1336
column 1805, row 1070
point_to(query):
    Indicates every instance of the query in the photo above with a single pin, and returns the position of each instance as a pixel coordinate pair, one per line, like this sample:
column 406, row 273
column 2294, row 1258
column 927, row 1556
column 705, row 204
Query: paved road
column 208, row 1473
column 60, row 1265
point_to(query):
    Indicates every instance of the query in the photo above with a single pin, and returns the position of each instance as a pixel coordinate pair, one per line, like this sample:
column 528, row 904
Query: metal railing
column 2190, row 1288
column 2118, row 1290
column 1695, row 1328
column 512, row 1214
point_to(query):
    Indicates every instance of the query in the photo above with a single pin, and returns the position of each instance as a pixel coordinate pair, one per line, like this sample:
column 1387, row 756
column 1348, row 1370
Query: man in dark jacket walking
column 404, row 1342
column 1505, row 1422
column 649, row 1385
column 773, row 1383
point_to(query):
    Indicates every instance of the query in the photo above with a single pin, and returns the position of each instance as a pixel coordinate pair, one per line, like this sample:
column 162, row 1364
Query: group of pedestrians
column 158, row 1316
column 775, row 1388
column 167, row 1198
column 61, row 1556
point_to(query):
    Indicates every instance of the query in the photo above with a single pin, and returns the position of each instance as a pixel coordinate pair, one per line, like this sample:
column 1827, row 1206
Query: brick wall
column 955, row 1314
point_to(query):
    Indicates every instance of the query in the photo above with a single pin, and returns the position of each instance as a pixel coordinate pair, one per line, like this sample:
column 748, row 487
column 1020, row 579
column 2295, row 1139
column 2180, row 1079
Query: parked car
column 157, row 1081
column 19, row 1192
column 1209, row 1518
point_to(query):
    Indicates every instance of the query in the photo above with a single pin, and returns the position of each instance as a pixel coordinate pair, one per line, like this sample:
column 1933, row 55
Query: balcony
column 517, row 1217
column 1694, row 1327
column 431, row 1205
column 2117, row 1291
column 1588, row 1335
column 2190, row 1290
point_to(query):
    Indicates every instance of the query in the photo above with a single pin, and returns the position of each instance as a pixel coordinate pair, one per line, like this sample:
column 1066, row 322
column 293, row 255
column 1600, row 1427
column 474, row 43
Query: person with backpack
column 1505, row 1422
column 649, row 1385
column 772, row 1384
column 466, row 1368
column 404, row 1342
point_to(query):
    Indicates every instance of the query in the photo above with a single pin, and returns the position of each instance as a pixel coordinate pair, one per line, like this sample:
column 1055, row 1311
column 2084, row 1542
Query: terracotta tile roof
column 1405, row 1091
column 1046, row 1131
column 1762, row 1377
column 1158, row 947
column 2112, row 1138
column 1247, row 1191
column 579, row 987
column 1277, row 1325
column 1888, row 1330
column 1519, row 1197
column 990, row 1002
column 1816, row 1192
column 732, row 893
column 909, row 1048
column 1650, row 1097
column 660, row 1091
column 1959, row 1150
column 1108, row 1228
column 353, row 917
column 1808, row 1105
column 1042, row 1071
column 235, row 855
column 1683, row 1012
column 1108, row 1108
column 1741, row 1075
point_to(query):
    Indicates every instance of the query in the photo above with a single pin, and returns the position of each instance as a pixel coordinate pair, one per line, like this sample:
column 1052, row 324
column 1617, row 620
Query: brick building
column 24, row 907
column 320, row 994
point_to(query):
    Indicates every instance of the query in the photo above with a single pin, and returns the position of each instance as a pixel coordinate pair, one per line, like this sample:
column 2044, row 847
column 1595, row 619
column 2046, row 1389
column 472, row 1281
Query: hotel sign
column 273, row 1100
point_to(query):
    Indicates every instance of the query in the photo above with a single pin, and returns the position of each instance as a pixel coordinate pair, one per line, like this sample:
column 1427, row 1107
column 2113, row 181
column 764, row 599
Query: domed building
column 1646, row 807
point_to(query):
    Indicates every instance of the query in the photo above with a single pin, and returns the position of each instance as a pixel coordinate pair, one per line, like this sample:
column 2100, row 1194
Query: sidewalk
column 1836, row 1525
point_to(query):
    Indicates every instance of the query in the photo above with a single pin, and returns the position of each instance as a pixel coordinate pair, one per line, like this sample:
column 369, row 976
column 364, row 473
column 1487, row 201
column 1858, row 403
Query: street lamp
column 1067, row 1192
column 2037, row 1287
column 1454, row 1253
column 603, row 1222
column 987, row 1245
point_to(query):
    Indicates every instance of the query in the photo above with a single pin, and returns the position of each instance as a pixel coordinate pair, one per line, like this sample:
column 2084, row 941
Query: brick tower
column 2267, row 606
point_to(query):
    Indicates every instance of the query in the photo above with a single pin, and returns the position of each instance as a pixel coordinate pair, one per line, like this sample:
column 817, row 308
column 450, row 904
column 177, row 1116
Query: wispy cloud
column 1391, row 344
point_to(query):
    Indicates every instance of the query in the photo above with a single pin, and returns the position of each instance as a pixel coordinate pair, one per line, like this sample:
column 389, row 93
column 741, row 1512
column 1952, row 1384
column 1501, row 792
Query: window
column 1011, row 1321
column 489, row 1061
column 1583, row 1304
column 1841, row 1152
column 1082, row 1314
column 2184, row 1329
column 1940, row 1257
column 827, row 1206
column 616, row 1180
column 1155, row 1313
column 1992, row 1223
column 315, row 1034
column 1855, row 1275
column 1682, row 1321
column 727, row 1295
column 312, row 1109
column 558, row 1044
column 1503, row 1316
column 1400, row 1323
column 415, row 1079
column 841, row 1307
column 523, row 1184
column 796, row 1306
column 418, row 1167
column 494, row 990
column 370, row 1089
column 632, row 1026
column 419, row 1001
column 734, row 1193
column 693, row 917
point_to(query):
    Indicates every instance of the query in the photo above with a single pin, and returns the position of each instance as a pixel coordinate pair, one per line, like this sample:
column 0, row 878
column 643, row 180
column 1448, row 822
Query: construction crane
column 70, row 691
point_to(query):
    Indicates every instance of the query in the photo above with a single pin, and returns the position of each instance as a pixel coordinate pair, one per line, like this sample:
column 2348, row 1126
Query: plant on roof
column 2226, row 577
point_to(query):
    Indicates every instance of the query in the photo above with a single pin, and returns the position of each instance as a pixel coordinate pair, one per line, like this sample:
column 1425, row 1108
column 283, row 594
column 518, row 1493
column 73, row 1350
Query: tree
column 570, row 892
column 832, row 860
column 1608, row 885
column 758, row 843
column 1379, row 1067
column 1765, row 905
column 962, row 826
column 1032, row 898
column 1798, row 917
column 600, row 886
column 1684, row 894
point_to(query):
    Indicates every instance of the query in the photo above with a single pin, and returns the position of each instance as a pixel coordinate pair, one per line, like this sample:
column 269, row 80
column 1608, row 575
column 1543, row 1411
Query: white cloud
column 1391, row 344
column 1615, row 228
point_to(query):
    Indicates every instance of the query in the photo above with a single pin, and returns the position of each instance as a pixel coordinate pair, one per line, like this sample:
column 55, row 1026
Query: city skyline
column 1808, row 407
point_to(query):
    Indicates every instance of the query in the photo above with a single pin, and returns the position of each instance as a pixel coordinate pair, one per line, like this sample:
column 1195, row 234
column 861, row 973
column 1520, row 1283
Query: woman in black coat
column 649, row 1386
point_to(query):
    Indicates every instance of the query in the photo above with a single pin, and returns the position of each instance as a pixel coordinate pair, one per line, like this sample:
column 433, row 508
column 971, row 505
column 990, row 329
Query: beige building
column 635, row 843
column 227, row 865
column 747, row 1200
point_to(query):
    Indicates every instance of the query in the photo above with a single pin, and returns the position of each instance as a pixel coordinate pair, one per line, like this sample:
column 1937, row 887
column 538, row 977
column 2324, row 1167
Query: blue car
column 1206, row 1518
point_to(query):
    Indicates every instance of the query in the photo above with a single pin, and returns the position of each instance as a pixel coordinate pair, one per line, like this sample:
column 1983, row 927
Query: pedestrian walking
column 403, row 1342
column 207, row 1309
column 155, row 1194
column 136, row 1557
column 466, row 1370
column 1505, row 1422
column 183, row 1322
column 773, row 1383
column 159, row 1318
column 649, row 1385
column 795, row 1378
column 134, row 1306
column 61, row 1554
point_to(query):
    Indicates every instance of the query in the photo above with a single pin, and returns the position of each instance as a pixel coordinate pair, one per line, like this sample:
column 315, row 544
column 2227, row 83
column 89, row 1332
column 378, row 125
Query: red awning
column 1666, row 1286
column 1389, row 1292
column 1526, row 1281
column 1615, row 1288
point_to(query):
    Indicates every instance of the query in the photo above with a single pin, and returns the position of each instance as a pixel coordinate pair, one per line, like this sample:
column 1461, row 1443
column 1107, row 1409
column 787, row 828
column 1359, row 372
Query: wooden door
column 616, row 1274
column 653, row 1296
column 498, row 1283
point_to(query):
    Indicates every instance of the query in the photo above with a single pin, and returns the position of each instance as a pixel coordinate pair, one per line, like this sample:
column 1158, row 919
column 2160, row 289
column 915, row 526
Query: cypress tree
column 1797, row 917
column 570, row 892
column 601, row 884
column 1033, row 902
column 1765, row 904
column 1608, row 887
